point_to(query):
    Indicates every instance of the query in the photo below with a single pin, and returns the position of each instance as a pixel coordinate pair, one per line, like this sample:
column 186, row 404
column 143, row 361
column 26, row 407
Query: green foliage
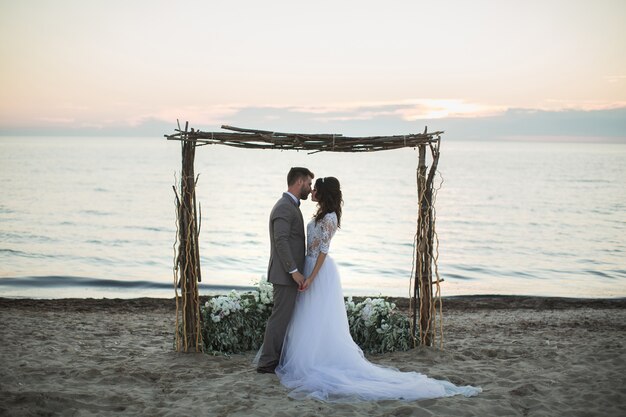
column 236, row 322
column 377, row 326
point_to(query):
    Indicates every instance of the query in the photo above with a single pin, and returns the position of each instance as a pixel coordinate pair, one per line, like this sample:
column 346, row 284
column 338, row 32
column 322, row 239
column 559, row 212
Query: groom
column 286, row 263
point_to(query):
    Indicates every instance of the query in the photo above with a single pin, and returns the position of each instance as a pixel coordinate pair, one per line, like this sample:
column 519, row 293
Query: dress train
column 320, row 360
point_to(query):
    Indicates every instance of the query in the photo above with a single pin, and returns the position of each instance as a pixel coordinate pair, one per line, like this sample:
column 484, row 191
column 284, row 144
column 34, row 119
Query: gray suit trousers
column 284, row 304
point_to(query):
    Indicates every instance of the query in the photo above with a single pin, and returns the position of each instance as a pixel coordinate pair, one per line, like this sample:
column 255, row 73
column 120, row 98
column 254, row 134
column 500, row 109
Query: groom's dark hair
column 296, row 173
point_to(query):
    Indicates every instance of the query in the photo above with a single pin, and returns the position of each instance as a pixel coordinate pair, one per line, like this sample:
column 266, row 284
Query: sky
column 476, row 69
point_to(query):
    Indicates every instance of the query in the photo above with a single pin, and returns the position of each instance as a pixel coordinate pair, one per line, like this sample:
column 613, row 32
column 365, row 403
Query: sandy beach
column 531, row 356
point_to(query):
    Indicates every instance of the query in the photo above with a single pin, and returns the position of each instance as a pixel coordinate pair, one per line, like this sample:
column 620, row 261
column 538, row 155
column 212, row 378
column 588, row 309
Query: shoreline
column 455, row 303
column 531, row 356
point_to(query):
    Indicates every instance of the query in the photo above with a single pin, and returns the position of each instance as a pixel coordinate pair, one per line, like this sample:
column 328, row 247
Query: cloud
column 57, row 120
column 609, row 124
column 409, row 110
column 614, row 79
column 206, row 115
column 390, row 119
column 459, row 119
column 581, row 105
column 439, row 109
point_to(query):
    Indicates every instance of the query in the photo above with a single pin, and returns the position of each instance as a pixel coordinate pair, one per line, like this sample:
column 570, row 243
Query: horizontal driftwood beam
column 264, row 139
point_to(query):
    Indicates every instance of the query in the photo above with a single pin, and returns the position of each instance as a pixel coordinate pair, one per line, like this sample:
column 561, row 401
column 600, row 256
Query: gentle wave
column 55, row 281
column 23, row 254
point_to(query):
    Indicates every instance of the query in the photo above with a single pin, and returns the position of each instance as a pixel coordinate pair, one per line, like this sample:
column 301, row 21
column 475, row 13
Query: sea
column 94, row 217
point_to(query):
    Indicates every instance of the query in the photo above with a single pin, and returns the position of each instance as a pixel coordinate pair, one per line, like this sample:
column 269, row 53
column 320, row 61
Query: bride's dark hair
column 328, row 194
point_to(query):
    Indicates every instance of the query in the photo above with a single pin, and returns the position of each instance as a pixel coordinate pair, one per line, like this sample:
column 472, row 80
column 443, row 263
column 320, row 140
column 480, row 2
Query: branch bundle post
column 425, row 301
column 187, row 272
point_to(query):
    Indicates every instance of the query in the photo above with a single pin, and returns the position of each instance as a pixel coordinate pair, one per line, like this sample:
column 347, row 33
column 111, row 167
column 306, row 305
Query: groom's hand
column 299, row 278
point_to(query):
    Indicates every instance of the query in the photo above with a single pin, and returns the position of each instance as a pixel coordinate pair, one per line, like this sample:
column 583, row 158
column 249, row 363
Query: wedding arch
column 425, row 301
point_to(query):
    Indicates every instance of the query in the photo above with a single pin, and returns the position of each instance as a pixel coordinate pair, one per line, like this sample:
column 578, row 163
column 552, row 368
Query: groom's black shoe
column 265, row 370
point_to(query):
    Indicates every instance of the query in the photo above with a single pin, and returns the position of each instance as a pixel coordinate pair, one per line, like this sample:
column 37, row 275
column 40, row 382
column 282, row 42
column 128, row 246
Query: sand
column 531, row 356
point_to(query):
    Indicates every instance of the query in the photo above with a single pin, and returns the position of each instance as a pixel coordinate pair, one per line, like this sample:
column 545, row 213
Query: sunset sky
column 553, row 67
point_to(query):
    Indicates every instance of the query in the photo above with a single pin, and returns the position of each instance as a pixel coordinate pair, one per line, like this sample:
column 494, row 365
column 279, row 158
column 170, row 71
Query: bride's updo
column 328, row 194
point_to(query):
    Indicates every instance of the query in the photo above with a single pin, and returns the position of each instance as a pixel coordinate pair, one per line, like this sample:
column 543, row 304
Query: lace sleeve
column 328, row 229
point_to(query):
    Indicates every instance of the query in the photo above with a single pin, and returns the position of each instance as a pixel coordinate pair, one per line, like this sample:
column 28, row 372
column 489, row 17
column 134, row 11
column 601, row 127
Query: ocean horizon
column 95, row 217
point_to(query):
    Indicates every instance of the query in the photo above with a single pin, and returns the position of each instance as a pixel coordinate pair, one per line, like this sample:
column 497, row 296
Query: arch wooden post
column 423, row 304
column 187, row 264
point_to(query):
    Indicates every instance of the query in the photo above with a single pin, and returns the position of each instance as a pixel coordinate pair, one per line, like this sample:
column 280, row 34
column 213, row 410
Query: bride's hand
column 306, row 284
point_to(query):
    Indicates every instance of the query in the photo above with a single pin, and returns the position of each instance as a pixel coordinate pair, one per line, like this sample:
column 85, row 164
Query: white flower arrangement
column 224, row 305
column 236, row 322
column 264, row 296
column 377, row 326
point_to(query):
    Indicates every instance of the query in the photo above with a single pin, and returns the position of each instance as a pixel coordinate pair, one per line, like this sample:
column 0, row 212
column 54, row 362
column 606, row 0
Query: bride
column 319, row 358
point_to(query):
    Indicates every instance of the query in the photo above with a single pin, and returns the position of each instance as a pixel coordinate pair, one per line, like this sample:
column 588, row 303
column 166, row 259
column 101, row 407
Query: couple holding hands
column 307, row 340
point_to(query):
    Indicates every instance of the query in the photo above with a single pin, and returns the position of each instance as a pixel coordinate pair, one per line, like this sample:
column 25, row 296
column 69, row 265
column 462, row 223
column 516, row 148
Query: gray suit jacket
column 287, row 241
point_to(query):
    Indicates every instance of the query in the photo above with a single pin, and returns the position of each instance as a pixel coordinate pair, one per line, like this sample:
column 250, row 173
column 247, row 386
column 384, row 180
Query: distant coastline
column 527, row 124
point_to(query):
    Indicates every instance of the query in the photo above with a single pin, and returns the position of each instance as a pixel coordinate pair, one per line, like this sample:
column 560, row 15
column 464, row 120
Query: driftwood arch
column 425, row 301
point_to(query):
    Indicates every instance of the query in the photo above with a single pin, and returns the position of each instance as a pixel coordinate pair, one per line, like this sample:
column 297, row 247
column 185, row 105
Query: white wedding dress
column 319, row 358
